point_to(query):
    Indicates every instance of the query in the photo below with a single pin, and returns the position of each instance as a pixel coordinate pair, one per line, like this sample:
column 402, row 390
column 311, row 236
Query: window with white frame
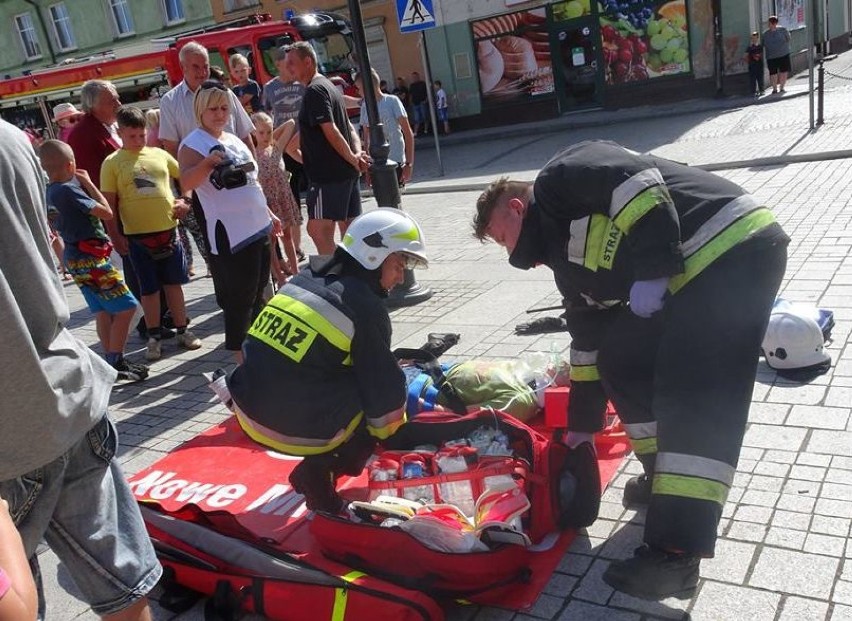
column 173, row 11
column 29, row 38
column 121, row 17
column 62, row 27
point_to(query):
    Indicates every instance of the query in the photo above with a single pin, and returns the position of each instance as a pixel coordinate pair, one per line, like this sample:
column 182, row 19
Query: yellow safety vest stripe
column 314, row 318
column 385, row 426
column 585, row 373
column 286, row 445
column 689, row 487
column 640, row 205
column 338, row 611
column 720, row 244
column 644, row 446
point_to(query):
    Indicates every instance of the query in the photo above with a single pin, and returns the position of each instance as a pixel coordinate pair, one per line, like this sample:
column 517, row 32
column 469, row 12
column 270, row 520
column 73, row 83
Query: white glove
column 573, row 439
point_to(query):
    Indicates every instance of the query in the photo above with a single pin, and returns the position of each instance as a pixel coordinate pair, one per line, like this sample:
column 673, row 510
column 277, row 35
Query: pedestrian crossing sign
column 415, row 15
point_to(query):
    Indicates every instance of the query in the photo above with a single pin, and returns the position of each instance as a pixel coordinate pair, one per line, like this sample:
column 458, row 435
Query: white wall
column 452, row 11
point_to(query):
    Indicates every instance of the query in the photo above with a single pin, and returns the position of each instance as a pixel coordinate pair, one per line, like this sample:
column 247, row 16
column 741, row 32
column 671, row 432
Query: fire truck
column 142, row 73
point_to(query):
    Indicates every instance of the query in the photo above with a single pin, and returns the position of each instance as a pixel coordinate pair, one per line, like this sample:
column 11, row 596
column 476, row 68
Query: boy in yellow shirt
column 136, row 181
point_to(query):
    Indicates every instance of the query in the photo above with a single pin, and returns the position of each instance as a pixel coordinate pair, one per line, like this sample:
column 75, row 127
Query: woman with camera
column 223, row 173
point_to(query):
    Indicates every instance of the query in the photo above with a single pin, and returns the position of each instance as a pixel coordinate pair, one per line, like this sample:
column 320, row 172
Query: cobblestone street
column 785, row 552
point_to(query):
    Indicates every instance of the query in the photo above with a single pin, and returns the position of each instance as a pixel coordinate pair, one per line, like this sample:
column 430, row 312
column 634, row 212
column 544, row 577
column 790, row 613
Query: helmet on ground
column 794, row 344
column 375, row 235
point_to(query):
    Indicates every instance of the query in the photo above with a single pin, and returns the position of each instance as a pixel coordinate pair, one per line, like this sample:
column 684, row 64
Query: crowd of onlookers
column 224, row 161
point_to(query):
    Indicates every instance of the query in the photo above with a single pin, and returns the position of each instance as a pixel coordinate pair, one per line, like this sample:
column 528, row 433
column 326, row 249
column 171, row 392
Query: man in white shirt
column 177, row 116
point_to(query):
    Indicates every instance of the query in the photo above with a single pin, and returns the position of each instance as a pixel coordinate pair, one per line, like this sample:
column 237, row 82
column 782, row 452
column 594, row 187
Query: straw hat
column 64, row 111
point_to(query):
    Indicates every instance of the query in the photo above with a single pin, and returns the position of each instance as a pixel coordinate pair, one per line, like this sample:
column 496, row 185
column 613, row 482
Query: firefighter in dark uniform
column 668, row 275
column 319, row 379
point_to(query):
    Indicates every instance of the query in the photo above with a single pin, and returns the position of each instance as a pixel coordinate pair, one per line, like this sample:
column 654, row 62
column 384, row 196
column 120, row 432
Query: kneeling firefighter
column 319, row 379
column 668, row 275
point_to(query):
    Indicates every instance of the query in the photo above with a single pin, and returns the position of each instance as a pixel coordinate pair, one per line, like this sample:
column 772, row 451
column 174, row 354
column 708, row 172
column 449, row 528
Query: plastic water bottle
column 453, row 460
column 413, row 466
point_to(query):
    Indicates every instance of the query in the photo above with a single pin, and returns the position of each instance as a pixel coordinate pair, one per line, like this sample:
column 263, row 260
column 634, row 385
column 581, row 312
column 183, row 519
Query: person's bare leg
column 773, row 80
column 343, row 225
column 322, row 233
column 103, row 321
column 151, row 310
column 782, row 79
column 118, row 330
column 138, row 611
column 176, row 303
column 290, row 247
column 238, row 356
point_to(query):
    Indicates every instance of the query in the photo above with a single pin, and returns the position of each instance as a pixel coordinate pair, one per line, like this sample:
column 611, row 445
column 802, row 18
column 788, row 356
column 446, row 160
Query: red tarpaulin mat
column 239, row 488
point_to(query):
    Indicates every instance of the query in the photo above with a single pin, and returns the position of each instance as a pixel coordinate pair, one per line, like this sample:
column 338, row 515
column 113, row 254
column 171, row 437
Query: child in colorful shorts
column 80, row 206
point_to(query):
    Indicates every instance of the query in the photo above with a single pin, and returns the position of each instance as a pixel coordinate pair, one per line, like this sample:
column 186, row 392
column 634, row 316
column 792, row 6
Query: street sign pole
column 809, row 38
column 382, row 172
column 427, row 72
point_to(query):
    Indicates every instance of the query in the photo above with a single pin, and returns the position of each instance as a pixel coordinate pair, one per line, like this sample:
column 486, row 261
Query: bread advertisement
column 513, row 57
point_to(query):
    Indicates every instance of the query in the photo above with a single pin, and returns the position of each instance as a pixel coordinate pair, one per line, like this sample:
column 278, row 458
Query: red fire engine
column 141, row 77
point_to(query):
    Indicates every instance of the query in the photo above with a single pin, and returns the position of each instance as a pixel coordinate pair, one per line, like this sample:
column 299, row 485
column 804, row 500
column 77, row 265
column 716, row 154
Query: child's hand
column 82, row 175
column 180, row 208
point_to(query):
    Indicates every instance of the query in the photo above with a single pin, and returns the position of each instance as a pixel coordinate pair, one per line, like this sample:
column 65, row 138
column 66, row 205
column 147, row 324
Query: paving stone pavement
column 784, row 551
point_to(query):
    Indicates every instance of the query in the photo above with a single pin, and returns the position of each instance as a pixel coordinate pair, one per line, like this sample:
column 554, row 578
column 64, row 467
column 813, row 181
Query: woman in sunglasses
column 223, row 173
column 65, row 115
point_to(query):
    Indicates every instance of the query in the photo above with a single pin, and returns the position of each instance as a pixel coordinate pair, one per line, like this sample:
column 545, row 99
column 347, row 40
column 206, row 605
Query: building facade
column 508, row 60
column 41, row 33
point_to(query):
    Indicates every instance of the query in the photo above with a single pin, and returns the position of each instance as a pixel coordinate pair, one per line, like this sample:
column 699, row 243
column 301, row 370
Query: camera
column 227, row 175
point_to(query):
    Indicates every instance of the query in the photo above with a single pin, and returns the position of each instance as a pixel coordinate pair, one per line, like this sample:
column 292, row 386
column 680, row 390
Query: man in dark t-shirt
column 331, row 151
column 419, row 103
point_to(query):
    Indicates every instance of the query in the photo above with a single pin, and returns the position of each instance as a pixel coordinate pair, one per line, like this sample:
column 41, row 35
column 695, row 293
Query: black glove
column 579, row 488
column 542, row 325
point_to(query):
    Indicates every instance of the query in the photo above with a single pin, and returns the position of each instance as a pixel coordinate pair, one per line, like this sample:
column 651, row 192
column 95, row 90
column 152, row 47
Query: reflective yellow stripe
column 316, row 320
column 609, row 244
column 387, row 425
column 644, row 446
column 338, row 611
column 640, row 205
column 720, row 244
column 283, row 332
column 291, row 445
column 585, row 373
column 598, row 226
column 690, row 487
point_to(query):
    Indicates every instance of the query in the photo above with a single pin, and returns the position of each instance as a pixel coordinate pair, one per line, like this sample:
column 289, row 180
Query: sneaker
column 313, row 480
column 637, row 492
column 130, row 372
column 781, row 90
column 154, row 349
column 654, row 574
column 188, row 340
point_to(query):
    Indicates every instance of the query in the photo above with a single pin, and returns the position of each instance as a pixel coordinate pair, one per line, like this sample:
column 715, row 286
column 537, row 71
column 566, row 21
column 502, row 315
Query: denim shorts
column 154, row 272
column 82, row 506
column 421, row 113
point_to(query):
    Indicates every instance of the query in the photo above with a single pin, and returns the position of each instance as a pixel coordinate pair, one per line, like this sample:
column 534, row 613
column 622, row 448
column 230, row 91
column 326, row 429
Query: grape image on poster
column 513, row 57
column 643, row 39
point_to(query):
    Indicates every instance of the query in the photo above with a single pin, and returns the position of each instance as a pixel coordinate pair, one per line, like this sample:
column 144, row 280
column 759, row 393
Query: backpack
column 241, row 575
column 396, row 556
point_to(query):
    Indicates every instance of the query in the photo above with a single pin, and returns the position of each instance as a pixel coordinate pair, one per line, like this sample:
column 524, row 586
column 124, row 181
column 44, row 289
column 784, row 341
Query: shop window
column 173, row 11
column 122, row 18
column 29, row 38
column 62, row 30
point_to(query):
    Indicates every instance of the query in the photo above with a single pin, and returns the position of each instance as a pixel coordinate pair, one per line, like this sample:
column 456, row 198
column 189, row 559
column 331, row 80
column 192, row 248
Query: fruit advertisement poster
column 513, row 57
column 643, row 39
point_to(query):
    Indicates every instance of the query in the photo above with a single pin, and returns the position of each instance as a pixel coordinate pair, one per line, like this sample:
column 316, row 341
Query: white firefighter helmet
column 375, row 235
column 794, row 344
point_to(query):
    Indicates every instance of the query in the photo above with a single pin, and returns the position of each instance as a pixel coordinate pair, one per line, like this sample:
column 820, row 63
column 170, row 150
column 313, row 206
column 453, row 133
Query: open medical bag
column 239, row 575
column 537, row 465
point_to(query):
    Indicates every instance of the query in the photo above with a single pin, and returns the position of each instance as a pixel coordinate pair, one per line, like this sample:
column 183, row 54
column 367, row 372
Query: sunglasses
column 213, row 84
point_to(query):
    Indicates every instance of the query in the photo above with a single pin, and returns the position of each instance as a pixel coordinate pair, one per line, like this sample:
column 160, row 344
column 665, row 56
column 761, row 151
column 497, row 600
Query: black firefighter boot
column 637, row 492
column 313, row 479
column 654, row 574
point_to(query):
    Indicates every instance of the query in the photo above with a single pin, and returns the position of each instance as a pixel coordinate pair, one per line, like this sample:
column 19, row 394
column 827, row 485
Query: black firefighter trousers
column 682, row 383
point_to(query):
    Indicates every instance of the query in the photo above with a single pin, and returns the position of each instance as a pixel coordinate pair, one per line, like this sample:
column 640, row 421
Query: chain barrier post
column 820, row 90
